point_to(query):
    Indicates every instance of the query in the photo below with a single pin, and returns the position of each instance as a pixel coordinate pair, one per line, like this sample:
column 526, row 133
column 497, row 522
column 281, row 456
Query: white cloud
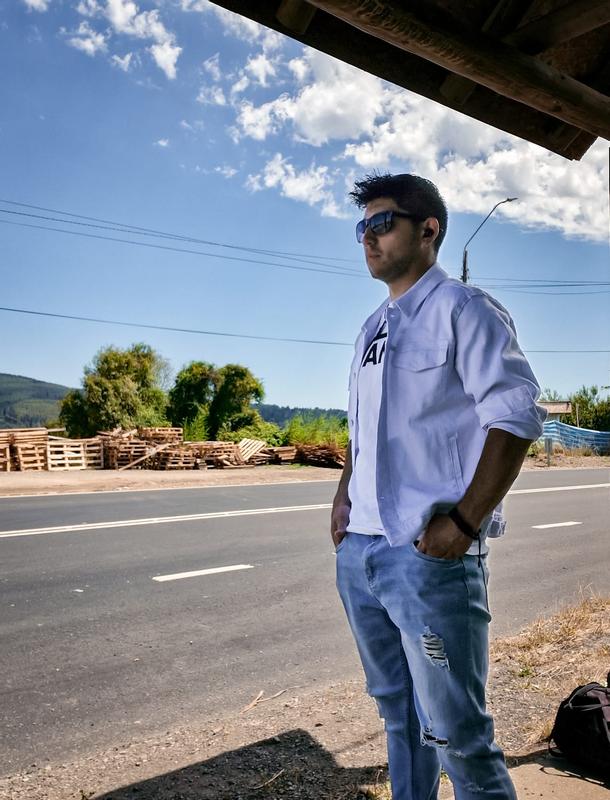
column 379, row 126
column 87, row 40
column 312, row 186
column 166, row 55
column 240, row 85
column 212, row 96
column 299, row 68
column 89, row 8
column 238, row 26
column 338, row 103
column 37, row 5
column 123, row 62
column 162, row 143
column 261, row 68
column 226, row 171
column 127, row 19
column 212, row 66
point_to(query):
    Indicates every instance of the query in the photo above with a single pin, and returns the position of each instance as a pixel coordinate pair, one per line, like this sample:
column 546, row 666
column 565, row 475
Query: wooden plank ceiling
column 539, row 69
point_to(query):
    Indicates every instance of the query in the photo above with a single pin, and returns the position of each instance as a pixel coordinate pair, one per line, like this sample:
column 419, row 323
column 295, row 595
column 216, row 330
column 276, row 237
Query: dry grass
column 541, row 665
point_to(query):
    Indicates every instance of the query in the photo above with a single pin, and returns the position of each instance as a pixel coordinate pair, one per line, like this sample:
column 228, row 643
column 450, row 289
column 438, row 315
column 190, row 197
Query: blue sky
column 179, row 117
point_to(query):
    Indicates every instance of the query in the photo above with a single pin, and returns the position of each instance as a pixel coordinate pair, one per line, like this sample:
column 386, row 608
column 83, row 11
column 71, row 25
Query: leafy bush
column 267, row 432
column 323, row 429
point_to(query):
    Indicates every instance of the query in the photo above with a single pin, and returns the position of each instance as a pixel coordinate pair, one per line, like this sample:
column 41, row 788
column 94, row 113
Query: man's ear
column 430, row 229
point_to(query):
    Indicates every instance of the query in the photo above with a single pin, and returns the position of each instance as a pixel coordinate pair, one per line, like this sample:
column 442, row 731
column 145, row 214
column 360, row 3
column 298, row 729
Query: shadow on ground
column 558, row 765
column 292, row 766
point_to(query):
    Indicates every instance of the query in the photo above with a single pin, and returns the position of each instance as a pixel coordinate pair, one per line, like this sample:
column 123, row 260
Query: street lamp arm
column 508, row 200
column 465, row 252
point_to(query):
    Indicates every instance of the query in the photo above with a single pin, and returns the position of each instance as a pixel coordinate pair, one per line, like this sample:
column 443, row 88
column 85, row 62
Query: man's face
column 397, row 253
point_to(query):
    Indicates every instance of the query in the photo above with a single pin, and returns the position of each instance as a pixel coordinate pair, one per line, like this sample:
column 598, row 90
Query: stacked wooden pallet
column 5, row 450
column 161, row 435
column 285, row 454
column 319, row 455
column 70, row 454
column 177, row 458
column 23, row 449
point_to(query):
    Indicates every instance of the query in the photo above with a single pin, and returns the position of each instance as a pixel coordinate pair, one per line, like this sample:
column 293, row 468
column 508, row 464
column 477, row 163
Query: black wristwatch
column 459, row 520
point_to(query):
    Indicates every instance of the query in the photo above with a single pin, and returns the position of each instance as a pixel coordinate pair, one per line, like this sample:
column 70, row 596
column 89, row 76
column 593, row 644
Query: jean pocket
column 443, row 562
column 341, row 544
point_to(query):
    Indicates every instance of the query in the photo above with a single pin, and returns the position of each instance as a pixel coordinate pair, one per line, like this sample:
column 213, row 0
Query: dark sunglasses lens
column 360, row 229
column 381, row 223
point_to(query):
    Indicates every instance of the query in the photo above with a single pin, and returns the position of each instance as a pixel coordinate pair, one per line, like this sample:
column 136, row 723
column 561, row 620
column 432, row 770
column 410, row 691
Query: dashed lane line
column 555, row 525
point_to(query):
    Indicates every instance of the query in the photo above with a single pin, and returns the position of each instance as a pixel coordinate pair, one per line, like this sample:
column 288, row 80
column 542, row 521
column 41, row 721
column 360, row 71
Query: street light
column 465, row 253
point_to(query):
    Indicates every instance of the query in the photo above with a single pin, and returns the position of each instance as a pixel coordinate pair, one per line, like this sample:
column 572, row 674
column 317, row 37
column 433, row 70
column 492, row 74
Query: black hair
column 412, row 193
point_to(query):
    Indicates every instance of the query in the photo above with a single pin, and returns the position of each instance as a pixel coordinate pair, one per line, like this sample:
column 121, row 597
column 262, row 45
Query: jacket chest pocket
column 419, row 357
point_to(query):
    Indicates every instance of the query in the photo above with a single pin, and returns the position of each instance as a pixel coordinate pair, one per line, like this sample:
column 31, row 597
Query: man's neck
column 402, row 284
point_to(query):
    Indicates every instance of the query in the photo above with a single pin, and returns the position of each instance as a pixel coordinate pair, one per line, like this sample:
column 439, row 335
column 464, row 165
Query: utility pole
column 465, row 253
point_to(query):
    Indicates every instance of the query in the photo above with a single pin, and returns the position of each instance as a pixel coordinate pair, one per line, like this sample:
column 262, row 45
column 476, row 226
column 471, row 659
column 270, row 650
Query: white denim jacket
column 452, row 370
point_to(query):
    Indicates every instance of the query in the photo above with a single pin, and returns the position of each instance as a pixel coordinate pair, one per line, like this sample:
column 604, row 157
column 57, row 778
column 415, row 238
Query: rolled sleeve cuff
column 513, row 410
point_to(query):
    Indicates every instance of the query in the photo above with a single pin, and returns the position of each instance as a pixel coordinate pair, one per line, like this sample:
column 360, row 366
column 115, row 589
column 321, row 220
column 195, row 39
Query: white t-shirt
column 364, row 515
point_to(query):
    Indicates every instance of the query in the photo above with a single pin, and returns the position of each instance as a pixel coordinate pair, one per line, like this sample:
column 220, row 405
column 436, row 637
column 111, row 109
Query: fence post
column 548, row 449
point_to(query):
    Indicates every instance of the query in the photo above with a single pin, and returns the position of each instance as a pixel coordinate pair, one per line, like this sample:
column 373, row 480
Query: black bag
column 582, row 728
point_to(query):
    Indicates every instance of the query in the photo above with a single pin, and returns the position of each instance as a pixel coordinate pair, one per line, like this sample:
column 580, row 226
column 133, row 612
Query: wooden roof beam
column 500, row 67
column 575, row 19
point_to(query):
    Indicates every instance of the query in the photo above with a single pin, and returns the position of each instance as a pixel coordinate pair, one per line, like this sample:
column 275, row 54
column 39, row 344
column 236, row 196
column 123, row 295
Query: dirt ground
column 25, row 483
column 327, row 743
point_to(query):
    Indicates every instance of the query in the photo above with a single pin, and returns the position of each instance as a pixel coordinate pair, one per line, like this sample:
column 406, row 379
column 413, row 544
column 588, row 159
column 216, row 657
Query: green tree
column 586, row 400
column 230, row 407
column 549, row 395
column 192, row 393
column 120, row 388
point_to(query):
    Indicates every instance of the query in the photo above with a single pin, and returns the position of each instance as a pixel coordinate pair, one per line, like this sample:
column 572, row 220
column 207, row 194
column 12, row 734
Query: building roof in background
column 539, row 69
column 557, row 406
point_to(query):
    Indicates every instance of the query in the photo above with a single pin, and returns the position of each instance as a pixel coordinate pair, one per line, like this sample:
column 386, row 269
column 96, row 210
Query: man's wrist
column 463, row 524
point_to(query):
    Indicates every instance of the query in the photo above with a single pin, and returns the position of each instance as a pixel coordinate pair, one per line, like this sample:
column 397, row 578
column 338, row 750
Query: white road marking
column 130, row 523
column 179, row 575
column 561, row 488
column 556, row 525
column 169, row 488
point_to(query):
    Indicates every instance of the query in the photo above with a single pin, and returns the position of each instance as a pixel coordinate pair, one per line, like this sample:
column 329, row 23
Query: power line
column 170, row 328
column 219, row 333
column 165, row 234
column 336, row 271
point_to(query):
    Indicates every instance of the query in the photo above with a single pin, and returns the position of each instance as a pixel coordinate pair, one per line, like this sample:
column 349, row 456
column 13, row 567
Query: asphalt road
column 95, row 651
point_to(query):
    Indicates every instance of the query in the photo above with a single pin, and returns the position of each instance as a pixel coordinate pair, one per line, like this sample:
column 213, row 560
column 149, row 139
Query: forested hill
column 281, row 414
column 26, row 402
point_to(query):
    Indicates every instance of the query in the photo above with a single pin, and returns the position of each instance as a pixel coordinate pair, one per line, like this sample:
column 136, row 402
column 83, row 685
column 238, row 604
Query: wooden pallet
column 321, row 455
column 75, row 454
column 250, row 447
column 5, row 458
column 31, row 456
column 161, row 435
column 283, row 455
column 177, row 458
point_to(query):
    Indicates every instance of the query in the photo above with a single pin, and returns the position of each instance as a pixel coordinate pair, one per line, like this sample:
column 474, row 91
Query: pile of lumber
column 23, row 449
column 320, row 455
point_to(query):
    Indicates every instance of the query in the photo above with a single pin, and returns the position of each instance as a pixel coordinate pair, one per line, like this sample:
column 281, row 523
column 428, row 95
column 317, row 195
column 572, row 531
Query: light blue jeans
column 421, row 626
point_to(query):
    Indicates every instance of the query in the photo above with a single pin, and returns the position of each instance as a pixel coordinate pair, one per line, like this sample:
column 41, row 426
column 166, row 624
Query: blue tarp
column 570, row 437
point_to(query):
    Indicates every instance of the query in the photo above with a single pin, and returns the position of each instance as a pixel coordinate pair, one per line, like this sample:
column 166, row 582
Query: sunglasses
column 381, row 222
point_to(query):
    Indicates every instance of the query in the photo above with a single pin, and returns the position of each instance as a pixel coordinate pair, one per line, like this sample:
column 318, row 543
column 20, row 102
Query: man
column 442, row 409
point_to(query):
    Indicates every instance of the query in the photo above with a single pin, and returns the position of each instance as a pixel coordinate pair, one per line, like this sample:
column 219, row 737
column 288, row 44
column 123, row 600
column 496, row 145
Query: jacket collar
column 410, row 301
